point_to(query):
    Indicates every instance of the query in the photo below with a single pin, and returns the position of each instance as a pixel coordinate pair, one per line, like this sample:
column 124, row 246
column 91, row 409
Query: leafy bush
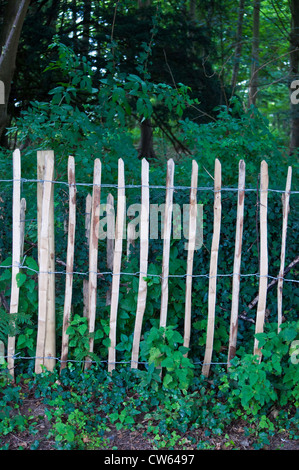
column 256, row 384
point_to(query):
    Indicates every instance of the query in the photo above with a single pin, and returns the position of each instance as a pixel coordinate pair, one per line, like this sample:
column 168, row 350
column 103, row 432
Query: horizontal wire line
column 88, row 361
column 138, row 186
column 137, row 273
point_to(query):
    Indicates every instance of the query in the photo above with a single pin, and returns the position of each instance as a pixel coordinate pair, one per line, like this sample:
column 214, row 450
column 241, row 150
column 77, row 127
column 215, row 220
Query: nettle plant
column 167, row 358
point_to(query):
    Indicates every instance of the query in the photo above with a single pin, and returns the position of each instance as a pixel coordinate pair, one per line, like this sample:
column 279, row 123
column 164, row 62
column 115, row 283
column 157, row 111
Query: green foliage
column 259, row 384
column 163, row 349
column 16, row 324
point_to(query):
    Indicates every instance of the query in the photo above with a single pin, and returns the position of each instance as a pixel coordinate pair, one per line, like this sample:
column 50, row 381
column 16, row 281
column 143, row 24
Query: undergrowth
column 84, row 409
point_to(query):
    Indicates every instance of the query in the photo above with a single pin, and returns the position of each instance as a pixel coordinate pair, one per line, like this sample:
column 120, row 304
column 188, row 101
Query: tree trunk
column 193, row 10
column 253, row 85
column 14, row 16
column 238, row 49
column 86, row 27
column 146, row 147
column 294, row 74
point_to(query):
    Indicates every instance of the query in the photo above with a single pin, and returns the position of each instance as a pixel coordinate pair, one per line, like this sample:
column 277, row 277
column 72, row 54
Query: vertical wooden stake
column 93, row 252
column 44, row 255
column 22, row 225
column 110, row 240
column 166, row 242
column 50, row 339
column 286, row 209
column 237, row 264
column 144, row 243
column 87, row 233
column 16, row 247
column 261, row 306
column 213, row 270
column 119, row 234
column 191, row 247
column 69, row 262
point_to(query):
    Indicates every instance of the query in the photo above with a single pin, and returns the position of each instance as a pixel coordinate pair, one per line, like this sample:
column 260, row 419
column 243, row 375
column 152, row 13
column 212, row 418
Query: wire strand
column 137, row 273
column 138, row 186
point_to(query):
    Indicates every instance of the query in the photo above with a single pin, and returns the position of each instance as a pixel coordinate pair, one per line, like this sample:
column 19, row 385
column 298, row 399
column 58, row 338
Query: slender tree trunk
column 14, row 16
column 238, row 49
column 146, row 148
column 294, row 73
column 193, row 9
column 86, row 27
column 253, row 85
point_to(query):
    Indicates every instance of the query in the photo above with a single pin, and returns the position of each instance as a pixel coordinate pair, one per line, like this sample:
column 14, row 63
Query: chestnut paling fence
column 46, row 354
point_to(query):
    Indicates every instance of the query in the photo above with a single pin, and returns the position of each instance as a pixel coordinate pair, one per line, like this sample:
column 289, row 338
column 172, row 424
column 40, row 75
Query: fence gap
column 213, row 270
column 45, row 298
column 69, row 261
column 237, row 264
column 16, row 253
column 166, row 241
column 144, row 244
column 263, row 281
column 190, row 254
column 119, row 235
column 93, row 253
column 285, row 213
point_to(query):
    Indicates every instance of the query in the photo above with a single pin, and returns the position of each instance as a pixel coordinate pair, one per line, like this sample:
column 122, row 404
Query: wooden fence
column 45, row 345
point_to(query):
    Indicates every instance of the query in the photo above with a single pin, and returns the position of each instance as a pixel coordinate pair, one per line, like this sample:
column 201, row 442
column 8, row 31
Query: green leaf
column 167, row 380
column 20, row 278
column 31, row 263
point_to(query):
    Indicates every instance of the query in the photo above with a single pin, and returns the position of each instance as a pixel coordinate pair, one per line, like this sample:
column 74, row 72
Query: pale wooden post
column 119, row 234
column 110, row 240
column 69, row 261
column 144, row 243
column 237, row 264
column 263, row 282
column 286, row 209
column 44, row 255
column 16, row 252
column 2, row 353
column 22, row 225
column 166, row 242
column 87, row 233
column 93, row 252
column 190, row 257
column 213, row 270
column 50, row 339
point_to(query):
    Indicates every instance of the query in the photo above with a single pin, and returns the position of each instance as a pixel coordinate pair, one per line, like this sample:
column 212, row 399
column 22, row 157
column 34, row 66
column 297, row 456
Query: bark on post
column 69, row 262
column 213, row 269
column 16, row 247
column 44, row 292
column 166, row 242
column 263, row 284
column 237, row 264
column 144, row 243
column 191, row 247
column 119, row 235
